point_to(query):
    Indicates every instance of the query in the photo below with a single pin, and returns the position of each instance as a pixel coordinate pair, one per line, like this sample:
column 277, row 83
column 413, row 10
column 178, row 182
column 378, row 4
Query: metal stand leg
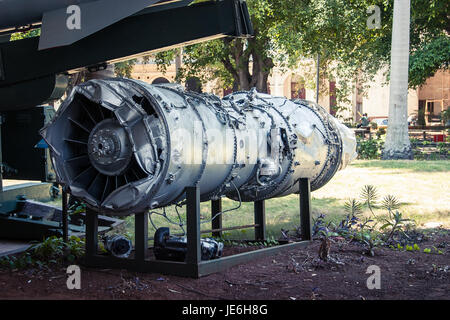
column 260, row 220
column 1, row 160
column 305, row 209
column 65, row 216
column 216, row 207
column 141, row 236
column 193, row 225
column 91, row 233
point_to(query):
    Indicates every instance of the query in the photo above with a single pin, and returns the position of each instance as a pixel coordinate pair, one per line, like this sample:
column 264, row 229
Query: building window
column 430, row 107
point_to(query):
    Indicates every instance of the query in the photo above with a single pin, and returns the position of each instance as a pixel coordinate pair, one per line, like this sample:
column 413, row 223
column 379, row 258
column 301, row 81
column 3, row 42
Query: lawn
column 422, row 187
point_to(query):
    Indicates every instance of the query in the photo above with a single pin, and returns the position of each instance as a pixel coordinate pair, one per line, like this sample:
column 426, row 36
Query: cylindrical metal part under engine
column 124, row 146
column 118, row 246
column 167, row 247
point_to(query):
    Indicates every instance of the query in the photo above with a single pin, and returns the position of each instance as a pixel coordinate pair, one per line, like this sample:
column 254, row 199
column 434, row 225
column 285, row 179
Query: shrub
column 442, row 147
column 52, row 250
column 421, row 117
column 445, row 116
column 380, row 132
column 368, row 149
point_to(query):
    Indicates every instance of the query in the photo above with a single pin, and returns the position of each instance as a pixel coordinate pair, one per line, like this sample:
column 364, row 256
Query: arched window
column 160, row 80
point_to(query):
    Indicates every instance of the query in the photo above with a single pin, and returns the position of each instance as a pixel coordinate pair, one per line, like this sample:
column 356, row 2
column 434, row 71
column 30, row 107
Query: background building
column 433, row 97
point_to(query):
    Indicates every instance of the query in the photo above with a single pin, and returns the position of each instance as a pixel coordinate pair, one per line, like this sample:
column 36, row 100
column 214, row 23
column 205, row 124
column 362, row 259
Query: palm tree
column 397, row 145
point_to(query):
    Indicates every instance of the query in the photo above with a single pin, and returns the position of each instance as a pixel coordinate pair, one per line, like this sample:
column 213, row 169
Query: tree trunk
column 178, row 63
column 397, row 145
column 239, row 69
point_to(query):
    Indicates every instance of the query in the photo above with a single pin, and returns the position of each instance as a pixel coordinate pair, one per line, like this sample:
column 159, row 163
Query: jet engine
column 124, row 146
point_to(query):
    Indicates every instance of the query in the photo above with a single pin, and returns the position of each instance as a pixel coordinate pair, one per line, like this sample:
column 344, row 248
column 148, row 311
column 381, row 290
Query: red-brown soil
column 292, row 275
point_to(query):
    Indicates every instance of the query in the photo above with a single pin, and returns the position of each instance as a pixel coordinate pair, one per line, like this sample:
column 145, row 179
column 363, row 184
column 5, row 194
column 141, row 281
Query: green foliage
column 270, row 242
column 421, row 117
column 429, row 251
column 25, row 34
column 371, row 239
column 442, row 147
column 429, row 29
column 288, row 31
column 369, row 195
column 229, row 60
column 390, row 203
column 52, row 250
column 396, row 222
column 199, row 1
column 380, row 132
column 368, row 149
column 337, row 29
column 374, row 125
column 429, row 58
column 123, row 69
column 366, row 230
column 353, row 207
column 445, row 115
column 77, row 207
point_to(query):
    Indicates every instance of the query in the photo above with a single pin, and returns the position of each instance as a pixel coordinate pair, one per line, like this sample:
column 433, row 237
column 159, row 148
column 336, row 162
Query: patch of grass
column 280, row 213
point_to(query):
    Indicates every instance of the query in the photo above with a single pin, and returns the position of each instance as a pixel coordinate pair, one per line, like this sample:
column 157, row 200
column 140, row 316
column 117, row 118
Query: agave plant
column 353, row 207
column 396, row 223
column 370, row 196
column 390, row 203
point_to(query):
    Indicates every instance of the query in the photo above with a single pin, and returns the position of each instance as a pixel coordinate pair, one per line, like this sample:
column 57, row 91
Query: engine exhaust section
column 124, row 146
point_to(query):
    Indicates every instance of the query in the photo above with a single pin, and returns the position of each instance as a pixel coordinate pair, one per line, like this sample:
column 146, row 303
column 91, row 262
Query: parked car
column 381, row 122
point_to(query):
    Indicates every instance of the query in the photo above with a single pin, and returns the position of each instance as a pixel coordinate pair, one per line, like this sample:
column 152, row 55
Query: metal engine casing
column 124, row 146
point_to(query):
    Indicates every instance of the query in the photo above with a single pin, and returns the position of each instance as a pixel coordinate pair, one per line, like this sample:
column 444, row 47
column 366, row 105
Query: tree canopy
column 287, row 31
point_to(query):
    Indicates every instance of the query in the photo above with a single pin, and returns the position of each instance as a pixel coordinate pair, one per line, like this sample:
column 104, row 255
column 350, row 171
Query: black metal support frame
column 65, row 215
column 193, row 266
column 260, row 220
column 216, row 224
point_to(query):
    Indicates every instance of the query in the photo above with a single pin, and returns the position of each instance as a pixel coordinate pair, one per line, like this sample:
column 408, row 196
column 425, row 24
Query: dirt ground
column 291, row 275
